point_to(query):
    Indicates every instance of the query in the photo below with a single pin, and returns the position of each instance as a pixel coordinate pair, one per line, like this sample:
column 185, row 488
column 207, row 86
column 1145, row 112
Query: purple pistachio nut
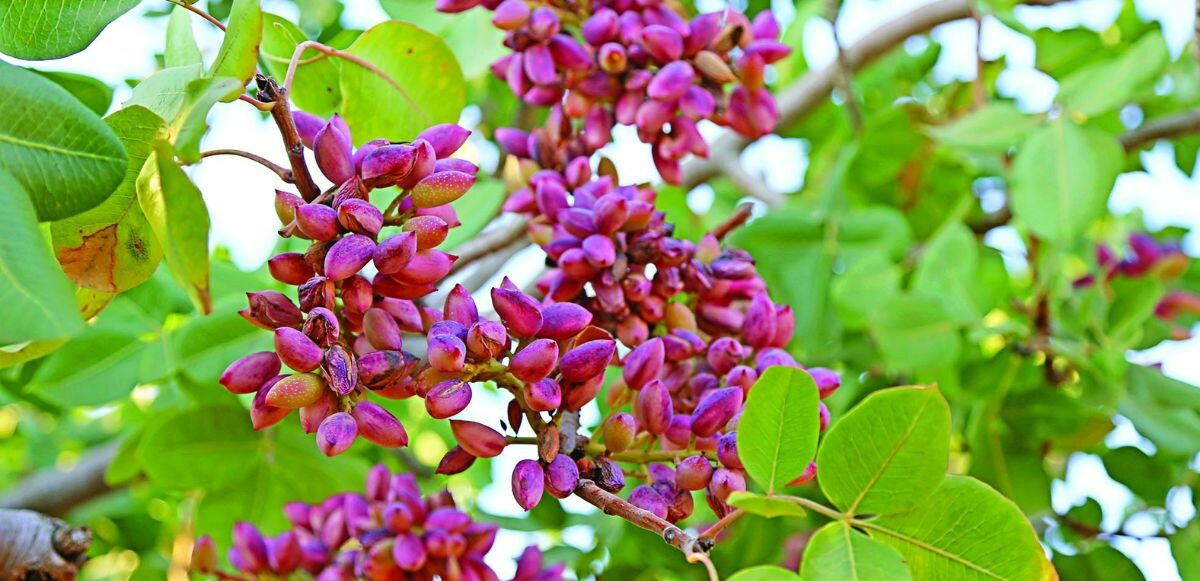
column 588, row 360
column 381, row 329
column 518, row 311
column 603, row 26
column 296, row 391
column 608, row 474
column 455, row 461
column 263, row 415
column 648, row 499
column 543, row 395
column 379, row 425
column 486, row 340
column 715, row 410
column 380, row 369
column 296, row 350
column 599, row 250
column 562, row 475
column 693, row 473
column 460, row 307
column 823, row 411
column 283, row 552
column 528, row 483
column 334, row 153
column 204, row 555
column 759, row 326
column 663, row 43
column 407, row 549
column 619, row 432
column 318, row 221
column 477, row 439
column 271, row 310
column 395, row 252
column 322, row 326
column 654, row 407
column 727, row 451
column 809, row 473
column 360, row 216
column 828, row 380
column 424, row 163
column 563, row 320
column 447, row 353
column 247, row 374
column 445, row 138
column 340, row 370
column 318, row 291
column 429, row 230
column 250, row 546
column 426, row 267
column 336, row 433
column 510, row 14
column 535, row 361
column 724, row 354
column 513, row 141
column 307, row 126
column 441, row 188
column 644, row 363
column 672, row 81
column 348, row 256
column 290, row 268
column 725, row 482
column 448, row 398
column 387, row 165
column 312, row 415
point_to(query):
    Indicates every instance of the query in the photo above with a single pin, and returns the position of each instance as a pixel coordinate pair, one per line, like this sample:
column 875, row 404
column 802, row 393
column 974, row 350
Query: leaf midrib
column 887, row 461
column 4, row 137
column 932, row 549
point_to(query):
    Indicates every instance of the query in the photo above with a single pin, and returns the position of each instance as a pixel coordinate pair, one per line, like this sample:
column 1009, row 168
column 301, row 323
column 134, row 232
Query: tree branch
column 54, row 492
column 612, row 504
column 284, row 173
column 1162, row 128
column 281, row 112
column 806, row 94
column 35, row 546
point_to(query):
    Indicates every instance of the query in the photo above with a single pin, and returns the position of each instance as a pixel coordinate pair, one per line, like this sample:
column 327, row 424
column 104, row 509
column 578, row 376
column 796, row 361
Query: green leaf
column 50, row 29
column 37, row 302
column 192, row 120
column 858, row 292
column 768, row 506
column 1061, row 179
column 915, row 332
column 238, row 57
column 125, row 464
column 1163, row 410
column 964, row 531
column 181, row 41
column 838, row 552
column 165, row 92
column 1110, row 83
column 1185, row 547
column 946, row 269
column 888, row 453
column 993, row 128
column 317, row 88
column 102, row 364
column 777, row 434
column 423, row 87
column 206, row 447
column 1103, row 562
column 177, row 214
column 764, row 573
column 111, row 247
column 207, row 345
column 95, row 94
column 45, row 131
column 475, row 41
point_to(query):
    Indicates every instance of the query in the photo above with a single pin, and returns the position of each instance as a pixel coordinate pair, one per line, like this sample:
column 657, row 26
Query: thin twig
column 845, row 78
column 284, row 173
column 1162, row 128
column 281, row 112
column 736, row 219
column 328, row 50
column 257, row 104
column 612, row 504
column 979, row 85
column 717, row 527
column 198, row 12
column 708, row 564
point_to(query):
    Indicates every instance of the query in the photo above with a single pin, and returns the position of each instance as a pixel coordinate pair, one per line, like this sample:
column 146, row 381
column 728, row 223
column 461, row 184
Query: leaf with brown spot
column 111, row 247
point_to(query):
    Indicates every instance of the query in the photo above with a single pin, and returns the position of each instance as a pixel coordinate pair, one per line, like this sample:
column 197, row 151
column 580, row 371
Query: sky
column 238, row 193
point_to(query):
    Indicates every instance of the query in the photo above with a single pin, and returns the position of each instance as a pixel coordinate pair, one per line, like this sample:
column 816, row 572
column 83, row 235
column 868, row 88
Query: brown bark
column 35, row 547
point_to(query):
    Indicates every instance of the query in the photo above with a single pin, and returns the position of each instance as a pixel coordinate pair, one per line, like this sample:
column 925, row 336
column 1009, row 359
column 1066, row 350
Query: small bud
column 441, row 188
column 535, row 361
column 562, row 476
column 455, row 461
column 619, row 432
column 429, row 230
column 519, row 312
column 715, row 410
column 648, row 499
column 447, row 353
column 271, row 310
column 379, row 425
column 247, row 374
column 654, row 407
column 588, row 360
column 528, row 483
column 360, row 216
column 340, row 370
column 477, row 439
column 693, row 473
column 296, row 391
column 318, row 221
column 448, row 398
column 296, row 350
column 336, row 433
column 543, row 395
column 644, row 363
column 445, row 138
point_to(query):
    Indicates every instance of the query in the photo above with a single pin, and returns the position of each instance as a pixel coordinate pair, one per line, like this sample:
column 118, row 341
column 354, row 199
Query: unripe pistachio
column 429, row 230
column 441, row 188
column 295, row 391
column 619, row 432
